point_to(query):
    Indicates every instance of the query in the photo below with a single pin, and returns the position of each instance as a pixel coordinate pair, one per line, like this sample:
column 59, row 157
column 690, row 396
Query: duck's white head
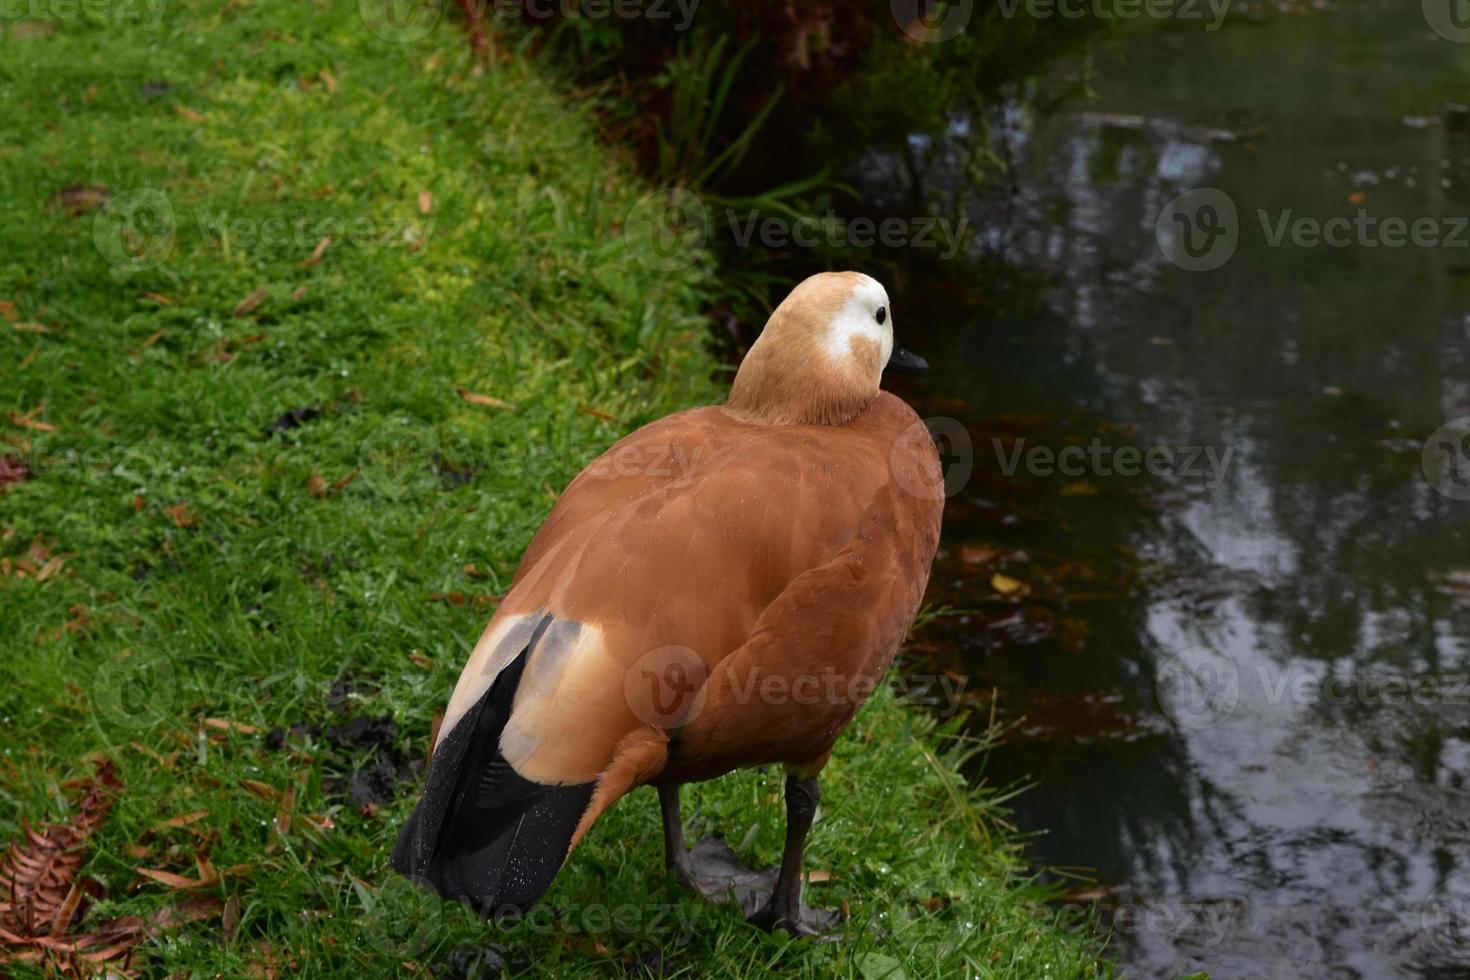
column 822, row 354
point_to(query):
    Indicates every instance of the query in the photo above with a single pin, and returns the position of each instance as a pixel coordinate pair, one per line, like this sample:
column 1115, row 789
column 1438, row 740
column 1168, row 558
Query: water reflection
column 1316, row 825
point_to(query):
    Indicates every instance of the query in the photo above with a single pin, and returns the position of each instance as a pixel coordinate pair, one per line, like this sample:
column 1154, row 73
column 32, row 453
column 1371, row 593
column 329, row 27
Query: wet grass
column 262, row 526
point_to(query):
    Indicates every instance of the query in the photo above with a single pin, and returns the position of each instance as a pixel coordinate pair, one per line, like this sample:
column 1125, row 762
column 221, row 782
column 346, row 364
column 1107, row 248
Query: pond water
column 1241, row 684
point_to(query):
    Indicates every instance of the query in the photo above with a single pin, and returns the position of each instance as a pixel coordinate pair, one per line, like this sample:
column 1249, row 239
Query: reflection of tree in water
column 1320, row 555
column 1112, row 786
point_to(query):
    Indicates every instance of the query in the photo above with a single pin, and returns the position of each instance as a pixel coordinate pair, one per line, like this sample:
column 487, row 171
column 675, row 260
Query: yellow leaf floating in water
column 1006, row 585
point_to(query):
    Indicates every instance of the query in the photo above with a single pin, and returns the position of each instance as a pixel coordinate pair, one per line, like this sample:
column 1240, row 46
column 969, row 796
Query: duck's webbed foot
column 769, row 898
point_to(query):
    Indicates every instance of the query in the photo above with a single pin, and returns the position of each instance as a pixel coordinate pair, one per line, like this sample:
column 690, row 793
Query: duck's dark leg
column 713, row 870
column 784, row 909
column 676, row 856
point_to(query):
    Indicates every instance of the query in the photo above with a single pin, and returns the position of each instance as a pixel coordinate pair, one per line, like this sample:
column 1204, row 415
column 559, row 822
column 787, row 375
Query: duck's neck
column 788, row 385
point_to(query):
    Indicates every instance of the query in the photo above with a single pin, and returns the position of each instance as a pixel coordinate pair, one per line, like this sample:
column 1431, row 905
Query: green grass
column 206, row 563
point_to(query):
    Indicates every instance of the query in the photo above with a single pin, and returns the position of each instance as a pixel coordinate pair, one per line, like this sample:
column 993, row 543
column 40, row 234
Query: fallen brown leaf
column 286, row 810
column 426, row 202
column 41, row 893
column 185, row 819
column 225, row 725
column 249, row 303
column 78, row 199
column 29, row 327
column 28, row 420
column 13, row 469
column 152, row 339
column 189, row 908
column 489, row 401
column 221, row 353
column 320, row 821
column 181, row 516
column 189, row 114
column 166, row 761
column 81, row 619
column 50, row 569
column 176, row 882
column 8, row 312
column 317, row 253
column 263, row 791
column 317, row 487
column 161, row 299
column 596, row 413
column 329, row 80
column 20, row 29
column 229, row 922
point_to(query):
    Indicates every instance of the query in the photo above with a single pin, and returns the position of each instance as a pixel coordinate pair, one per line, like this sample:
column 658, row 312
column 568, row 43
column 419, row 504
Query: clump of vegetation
column 807, row 88
column 304, row 326
column 773, row 111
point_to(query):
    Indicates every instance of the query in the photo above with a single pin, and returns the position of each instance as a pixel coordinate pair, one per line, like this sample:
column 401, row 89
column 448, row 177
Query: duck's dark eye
column 882, row 314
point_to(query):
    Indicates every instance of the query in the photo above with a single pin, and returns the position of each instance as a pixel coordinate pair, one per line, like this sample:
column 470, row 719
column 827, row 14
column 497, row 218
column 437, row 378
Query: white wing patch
column 497, row 647
column 568, row 686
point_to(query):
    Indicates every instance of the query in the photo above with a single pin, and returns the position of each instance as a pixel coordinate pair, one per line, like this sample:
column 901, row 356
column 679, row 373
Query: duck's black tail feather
column 483, row 834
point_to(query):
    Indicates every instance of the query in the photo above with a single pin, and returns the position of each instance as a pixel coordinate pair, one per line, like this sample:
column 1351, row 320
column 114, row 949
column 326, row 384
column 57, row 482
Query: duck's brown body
column 787, row 552
column 711, row 593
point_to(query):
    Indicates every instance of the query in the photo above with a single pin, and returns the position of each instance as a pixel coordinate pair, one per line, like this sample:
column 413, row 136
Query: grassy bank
column 303, row 330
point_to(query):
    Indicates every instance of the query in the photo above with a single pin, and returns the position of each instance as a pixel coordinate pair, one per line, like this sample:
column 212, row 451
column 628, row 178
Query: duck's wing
column 816, row 652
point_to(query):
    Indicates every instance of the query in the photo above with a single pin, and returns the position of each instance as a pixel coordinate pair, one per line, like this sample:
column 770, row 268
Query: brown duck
column 720, row 589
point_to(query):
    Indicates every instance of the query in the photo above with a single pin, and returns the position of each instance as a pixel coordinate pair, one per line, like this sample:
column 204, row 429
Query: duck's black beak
column 904, row 362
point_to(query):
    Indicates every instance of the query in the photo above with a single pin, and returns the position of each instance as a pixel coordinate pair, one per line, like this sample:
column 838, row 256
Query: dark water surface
column 1242, row 688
